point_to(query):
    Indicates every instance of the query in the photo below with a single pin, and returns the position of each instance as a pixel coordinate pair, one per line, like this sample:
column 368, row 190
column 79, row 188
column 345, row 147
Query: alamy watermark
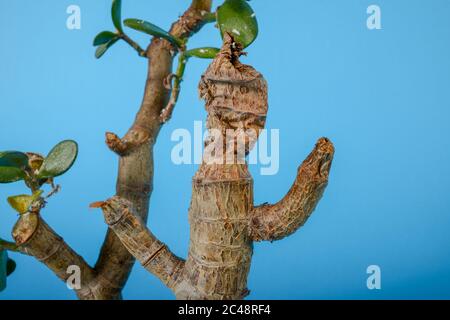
column 73, row 282
column 374, row 280
column 374, row 19
column 227, row 147
column 73, row 21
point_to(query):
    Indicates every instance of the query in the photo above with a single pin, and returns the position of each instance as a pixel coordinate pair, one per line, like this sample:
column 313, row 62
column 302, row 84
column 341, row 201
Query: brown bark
column 223, row 221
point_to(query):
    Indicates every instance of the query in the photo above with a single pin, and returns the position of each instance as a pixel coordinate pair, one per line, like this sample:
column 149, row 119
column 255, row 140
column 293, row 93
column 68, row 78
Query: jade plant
column 224, row 222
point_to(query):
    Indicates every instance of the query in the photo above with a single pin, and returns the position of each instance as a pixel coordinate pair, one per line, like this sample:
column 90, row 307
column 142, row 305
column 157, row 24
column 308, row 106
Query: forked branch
column 135, row 176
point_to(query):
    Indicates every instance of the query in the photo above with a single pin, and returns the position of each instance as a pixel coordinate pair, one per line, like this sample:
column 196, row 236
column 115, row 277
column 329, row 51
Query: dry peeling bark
column 223, row 220
column 134, row 183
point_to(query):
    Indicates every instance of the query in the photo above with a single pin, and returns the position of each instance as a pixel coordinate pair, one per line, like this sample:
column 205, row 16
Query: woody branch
column 276, row 221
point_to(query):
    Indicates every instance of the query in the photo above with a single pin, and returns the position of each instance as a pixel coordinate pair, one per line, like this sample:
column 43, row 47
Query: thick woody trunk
column 221, row 249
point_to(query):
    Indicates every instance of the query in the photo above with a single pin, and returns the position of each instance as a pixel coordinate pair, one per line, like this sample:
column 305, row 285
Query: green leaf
column 59, row 159
column 116, row 14
column 3, row 269
column 101, row 49
column 151, row 29
column 237, row 18
column 13, row 159
column 10, row 267
column 12, row 166
column 10, row 174
column 204, row 53
column 23, row 202
column 104, row 37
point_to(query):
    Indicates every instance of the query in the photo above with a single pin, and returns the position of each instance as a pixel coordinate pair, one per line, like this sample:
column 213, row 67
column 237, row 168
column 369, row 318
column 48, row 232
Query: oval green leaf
column 3, row 269
column 104, row 37
column 101, row 49
column 151, row 29
column 9, row 174
column 23, row 202
column 13, row 159
column 10, row 267
column 59, row 159
column 203, row 53
column 116, row 14
column 12, row 166
column 237, row 18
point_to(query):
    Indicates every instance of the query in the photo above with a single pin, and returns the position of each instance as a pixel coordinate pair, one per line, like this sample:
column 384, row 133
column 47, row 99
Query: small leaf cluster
column 235, row 17
column 35, row 170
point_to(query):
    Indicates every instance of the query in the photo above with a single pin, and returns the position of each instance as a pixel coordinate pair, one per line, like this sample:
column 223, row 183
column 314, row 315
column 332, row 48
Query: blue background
column 381, row 96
